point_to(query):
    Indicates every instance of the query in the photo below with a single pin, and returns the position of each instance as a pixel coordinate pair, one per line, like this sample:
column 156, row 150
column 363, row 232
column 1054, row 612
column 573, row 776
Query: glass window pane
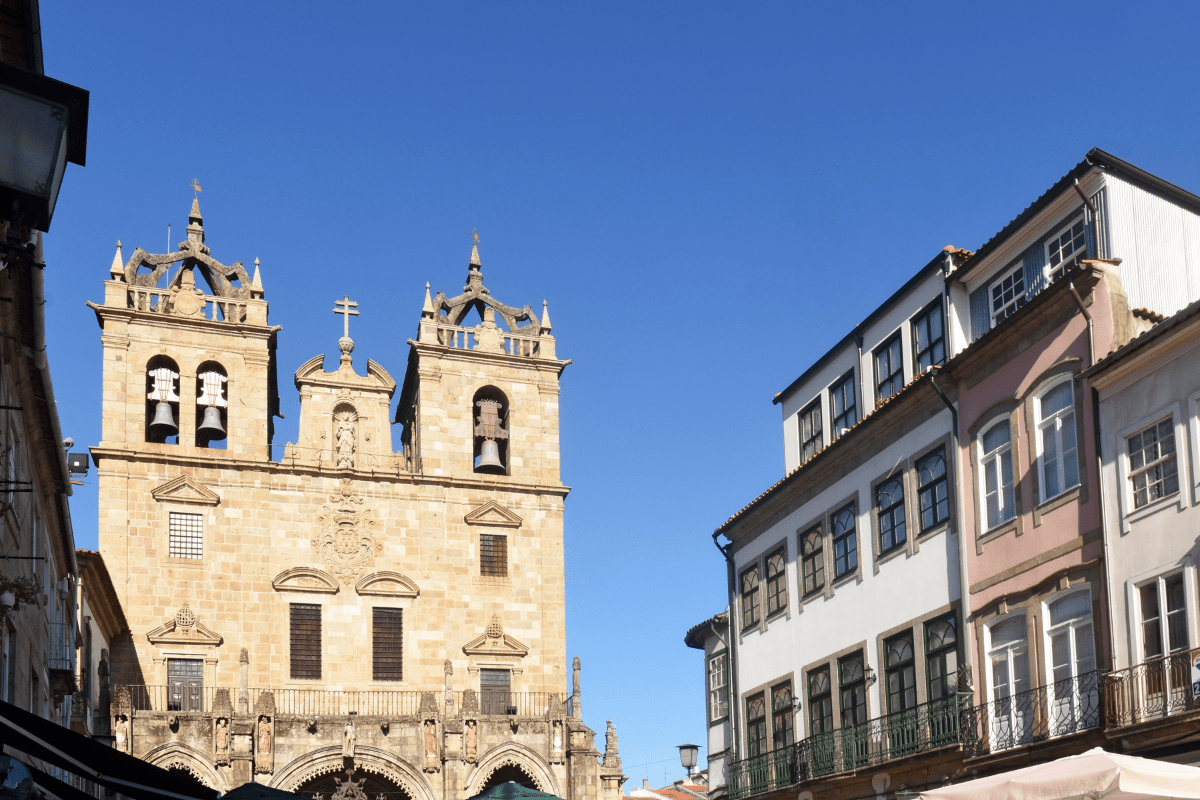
column 1076, row 605
column 1057, row 399
column 996, row 436
column 1008, row 631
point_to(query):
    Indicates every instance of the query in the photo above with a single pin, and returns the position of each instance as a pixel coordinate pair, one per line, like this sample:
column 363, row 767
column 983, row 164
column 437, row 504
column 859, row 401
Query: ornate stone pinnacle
column 117, row 271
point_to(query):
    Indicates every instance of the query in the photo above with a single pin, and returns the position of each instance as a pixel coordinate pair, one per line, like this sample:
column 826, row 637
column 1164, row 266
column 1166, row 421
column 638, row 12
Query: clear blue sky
column 708, row 196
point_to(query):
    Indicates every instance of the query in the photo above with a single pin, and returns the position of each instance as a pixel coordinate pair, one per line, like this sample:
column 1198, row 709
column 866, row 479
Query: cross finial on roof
column 196, row 186
column 346, row 307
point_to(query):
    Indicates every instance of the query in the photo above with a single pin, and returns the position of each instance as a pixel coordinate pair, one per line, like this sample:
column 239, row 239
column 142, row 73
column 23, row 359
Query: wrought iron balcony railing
column 919, row 729
column 1068, row 706
column 1154, row 689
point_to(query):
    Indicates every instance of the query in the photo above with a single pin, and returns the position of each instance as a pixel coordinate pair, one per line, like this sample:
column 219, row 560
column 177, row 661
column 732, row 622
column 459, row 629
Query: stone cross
column 346, row 308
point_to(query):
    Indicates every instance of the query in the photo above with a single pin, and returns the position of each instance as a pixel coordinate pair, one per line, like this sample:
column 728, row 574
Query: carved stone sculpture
column 121, row 734
column 431, row 750
column 556, row 742
column 264, row 735
column 349, row 738
column 221, row 742
column 345, row 442
column 471, row 739
column 345, row 540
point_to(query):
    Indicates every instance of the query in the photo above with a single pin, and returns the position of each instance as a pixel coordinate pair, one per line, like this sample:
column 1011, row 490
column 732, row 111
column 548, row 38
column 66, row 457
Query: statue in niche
column 349, row 737
column 557, row 725
column 264, row 735
column 344, row 439
column 121, row 734
column 431, row 755
column 471, row 736
column 221, row 743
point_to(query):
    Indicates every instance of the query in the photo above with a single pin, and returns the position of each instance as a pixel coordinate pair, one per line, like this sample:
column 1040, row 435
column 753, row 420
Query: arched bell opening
column 491, row 411
column 212, row 406
column 162, row 401
column 352, row 784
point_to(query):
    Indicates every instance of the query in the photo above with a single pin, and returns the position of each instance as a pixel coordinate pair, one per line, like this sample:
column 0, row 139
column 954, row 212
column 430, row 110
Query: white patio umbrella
column 1094, row 775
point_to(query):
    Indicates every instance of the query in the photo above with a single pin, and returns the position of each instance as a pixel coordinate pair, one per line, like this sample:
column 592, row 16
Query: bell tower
column 481, row 401
column 189, row 358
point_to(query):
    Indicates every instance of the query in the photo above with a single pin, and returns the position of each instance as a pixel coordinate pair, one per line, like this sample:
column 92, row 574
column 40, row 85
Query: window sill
column 1059, row 500
column 813, row 595
column 941, row 527
column 888, row 555
column 844, row 579
column 1175, row 500
column 175, row 561
column 783, row 612
column 752, row 628
column 1000, row 530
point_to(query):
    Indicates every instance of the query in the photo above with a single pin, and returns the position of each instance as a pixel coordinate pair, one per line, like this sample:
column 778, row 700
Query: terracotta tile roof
column 722, row 617
column 848, row 434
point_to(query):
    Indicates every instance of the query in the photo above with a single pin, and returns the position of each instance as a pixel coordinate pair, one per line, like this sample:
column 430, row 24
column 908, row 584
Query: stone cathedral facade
column 345, row 614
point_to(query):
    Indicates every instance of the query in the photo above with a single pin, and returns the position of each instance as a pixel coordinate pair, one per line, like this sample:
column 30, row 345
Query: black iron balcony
column 1068, row 706
column 926, row 727
column 1156, row 689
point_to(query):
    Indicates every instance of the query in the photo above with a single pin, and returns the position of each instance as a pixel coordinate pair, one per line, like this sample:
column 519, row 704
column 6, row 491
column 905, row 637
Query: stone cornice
column 199, row 324
column 203, row 461
column 459, row 354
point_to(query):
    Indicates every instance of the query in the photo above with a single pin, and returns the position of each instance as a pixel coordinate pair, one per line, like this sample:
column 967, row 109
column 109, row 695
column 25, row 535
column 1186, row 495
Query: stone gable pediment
column 387, row 584
column 305, row 579
column 492, row 513
column 495, row 642
column 184, row 628
column 185, row 489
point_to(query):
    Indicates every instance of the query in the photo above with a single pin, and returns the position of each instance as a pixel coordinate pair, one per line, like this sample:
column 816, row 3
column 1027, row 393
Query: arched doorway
column 510, row 772
column 352, row 784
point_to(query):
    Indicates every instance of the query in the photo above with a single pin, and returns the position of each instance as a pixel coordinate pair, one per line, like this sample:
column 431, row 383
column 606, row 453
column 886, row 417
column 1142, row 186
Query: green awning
column 512, row 791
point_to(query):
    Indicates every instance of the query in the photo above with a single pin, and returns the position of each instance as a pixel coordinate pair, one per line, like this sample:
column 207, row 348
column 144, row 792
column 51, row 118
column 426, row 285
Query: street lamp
column 687, row 756
column 43, row 125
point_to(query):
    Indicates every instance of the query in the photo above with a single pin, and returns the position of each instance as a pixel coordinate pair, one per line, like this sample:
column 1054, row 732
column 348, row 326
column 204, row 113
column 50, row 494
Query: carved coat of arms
column 345, row 538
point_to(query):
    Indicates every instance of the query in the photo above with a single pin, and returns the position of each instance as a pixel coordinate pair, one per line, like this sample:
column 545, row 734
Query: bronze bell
column 163, row 423
column 210, row 426
column 489, row 457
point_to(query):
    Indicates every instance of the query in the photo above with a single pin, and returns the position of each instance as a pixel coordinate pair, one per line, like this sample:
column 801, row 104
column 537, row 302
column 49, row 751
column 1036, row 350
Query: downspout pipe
column 731, row 745
column 964, row 593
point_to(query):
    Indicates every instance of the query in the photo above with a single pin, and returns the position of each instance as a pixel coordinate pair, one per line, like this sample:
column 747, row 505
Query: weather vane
column 196, row 186
column 473, row 234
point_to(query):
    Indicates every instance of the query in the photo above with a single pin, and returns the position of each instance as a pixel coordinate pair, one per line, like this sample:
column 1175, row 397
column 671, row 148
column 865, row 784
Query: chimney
column 646, row 784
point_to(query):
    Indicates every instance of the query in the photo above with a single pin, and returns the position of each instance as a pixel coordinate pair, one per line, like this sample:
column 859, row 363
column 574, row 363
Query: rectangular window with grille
column 306, row 641
column 186, row 536
column 387, row 629
column 493, row 555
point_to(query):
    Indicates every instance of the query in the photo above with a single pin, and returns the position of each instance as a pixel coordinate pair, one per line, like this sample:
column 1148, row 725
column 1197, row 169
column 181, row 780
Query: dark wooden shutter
column 493, row 555
column 387, row 628
column 981, row 320
column 1035, row 269
column 494, row 691
column 306, row 641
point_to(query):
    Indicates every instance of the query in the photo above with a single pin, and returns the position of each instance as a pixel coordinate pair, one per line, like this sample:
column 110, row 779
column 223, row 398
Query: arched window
column 1058, row 457
column 162, row 401
column 212, row 405
column 490, row 408
column 996, row 474
column 1071, row 646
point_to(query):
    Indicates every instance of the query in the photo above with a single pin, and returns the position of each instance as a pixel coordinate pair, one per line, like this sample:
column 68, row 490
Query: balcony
column 1154, row 690
column 917, row 730
column 61, row 665
column 1047, row 712
column 337, row 703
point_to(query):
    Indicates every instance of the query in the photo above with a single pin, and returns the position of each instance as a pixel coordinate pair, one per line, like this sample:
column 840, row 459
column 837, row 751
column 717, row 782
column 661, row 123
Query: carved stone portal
column 345, row 540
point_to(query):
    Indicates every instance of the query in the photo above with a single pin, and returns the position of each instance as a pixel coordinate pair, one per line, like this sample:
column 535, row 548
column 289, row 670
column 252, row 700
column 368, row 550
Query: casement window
column 845, row 542
column 810, row 431
column 756, row 725
column 1007, row 294
column 842, row 406
column 1058, row 457
column 782, row 719
column 185, row 535
column 1164, row 622
column 718, row 681
column 852, row 684
column 493, row 555
column 185, row 684
column 777, row 581
column 812, row 560
column 1065, row 247
column 996, row 469
column 889, row 510
column 929, row 338
column 1008, row 678
column 387, row 644
column 305, row 641
column 751, row 601
column 941, row 657
column 889, row 369
column 820, row 702
column 1072, row 650
column 900, row 668
column 1152, row 468
column 933, row 493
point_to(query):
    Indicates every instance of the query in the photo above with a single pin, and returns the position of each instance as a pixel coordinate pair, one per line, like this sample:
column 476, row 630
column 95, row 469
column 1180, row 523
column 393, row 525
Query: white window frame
column 1010, row 307
column 1129, row 514
column 1194, row 430
column 1137, row 616
column 1011, row 717
column 1042, row 425
column 718, row 707
column 1057, row 231
column 1133, row 605
column 1076, row 697
column 981, row 466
